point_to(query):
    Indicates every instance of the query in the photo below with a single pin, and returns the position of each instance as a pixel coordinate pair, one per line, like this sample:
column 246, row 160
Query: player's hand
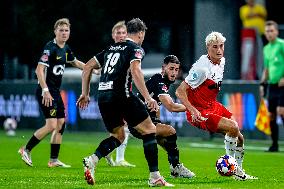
column 196, row 115
column 47, row 99
column 152, row 104
column 261, row 91
column 83, row 101
column 281, row 83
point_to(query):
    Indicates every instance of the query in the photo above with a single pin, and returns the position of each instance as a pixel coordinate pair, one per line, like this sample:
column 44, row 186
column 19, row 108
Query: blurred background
column 174, row 27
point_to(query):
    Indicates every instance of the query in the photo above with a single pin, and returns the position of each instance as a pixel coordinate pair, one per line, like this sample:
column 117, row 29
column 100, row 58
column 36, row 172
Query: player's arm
column 46, row 96
column 263, row 82
column 181, row 94
column 79, row 64
column 138, row 78
column 170, row 105
column 84, row 98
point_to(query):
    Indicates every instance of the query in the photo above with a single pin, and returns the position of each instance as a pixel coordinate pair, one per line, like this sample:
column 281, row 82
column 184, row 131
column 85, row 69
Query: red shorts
column 213, row 115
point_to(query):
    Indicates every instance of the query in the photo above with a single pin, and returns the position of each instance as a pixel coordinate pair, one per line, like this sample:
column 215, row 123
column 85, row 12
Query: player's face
column 171, row 71
column 62, row 33
column 271, row 33
column 119, row 34
column 216, row 51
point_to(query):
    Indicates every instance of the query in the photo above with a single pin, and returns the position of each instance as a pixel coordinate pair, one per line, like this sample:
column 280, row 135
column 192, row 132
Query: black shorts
column 117, row 110
column 275, row 97
column 57, row 109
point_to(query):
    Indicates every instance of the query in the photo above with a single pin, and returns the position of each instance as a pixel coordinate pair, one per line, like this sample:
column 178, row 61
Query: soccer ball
column 10, row 125
column 226, row 165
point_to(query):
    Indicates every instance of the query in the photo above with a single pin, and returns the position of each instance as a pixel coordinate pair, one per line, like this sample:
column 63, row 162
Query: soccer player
column 198, row 93
column 158, row 86
column 121, row 63
column 49, row 71
column 119, row 32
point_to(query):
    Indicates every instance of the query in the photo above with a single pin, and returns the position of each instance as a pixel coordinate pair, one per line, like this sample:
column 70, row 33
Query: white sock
column 95, row 158
column 120, row 151
column 155, row 175
column 230, row 145
column 239, row 155
column 108, row 156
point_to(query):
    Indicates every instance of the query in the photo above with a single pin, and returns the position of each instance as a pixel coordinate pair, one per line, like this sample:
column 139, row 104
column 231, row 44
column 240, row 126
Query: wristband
column 44, row 90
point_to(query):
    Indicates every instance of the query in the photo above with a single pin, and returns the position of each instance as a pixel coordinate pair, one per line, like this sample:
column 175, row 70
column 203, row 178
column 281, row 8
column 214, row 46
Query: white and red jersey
column 204, row 79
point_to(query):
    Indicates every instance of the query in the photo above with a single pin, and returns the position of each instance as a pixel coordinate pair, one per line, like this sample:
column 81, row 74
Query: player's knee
column 135, row 133
column 61, row 131
column 234, row 128
column 241, row 140
column 149, row 139
column 118, row 133
column 171, row 131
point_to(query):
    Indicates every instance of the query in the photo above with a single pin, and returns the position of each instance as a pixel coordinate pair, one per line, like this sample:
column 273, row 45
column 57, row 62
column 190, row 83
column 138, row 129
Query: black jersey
column 116, row 78
column 157, row 85
column 54, row 58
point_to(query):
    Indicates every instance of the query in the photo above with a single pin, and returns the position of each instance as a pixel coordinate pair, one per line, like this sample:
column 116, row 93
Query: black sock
column 32, row 143
column 274, row 133
column 107, row 146
column 54, row 151
column 172, row 150
column 151, row 151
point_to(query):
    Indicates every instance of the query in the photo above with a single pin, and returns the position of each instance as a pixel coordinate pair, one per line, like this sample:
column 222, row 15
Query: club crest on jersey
column 52, row 112
column 138, row 53
column 44, row 58
column 165, row 88
column 47, row 52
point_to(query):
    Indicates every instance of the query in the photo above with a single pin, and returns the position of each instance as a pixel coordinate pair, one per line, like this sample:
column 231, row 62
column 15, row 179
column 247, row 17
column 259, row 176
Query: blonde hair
column 214, row 37
column 62, row 21
column 120, row 24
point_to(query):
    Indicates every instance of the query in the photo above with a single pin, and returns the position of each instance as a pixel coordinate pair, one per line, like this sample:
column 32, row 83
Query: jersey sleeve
column 45, row 55
column 196, row 76
column 136, row 54
column 100, row 58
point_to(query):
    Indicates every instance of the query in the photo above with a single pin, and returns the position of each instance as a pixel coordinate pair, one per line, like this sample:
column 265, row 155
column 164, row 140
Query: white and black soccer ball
column 226, row 165
column 10, row 126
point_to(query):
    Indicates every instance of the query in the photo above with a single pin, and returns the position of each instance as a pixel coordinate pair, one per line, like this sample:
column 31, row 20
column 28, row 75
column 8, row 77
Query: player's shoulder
column 156, row 78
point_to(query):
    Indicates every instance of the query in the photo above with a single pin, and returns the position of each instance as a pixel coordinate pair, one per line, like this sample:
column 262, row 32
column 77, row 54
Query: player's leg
column 50, row 125
column 272, row 107
column 234, row 145
column 167, row 138
column 109, row 159
column 55, row 143
column 136, row 115
column 25, row 151
column 120, row 151
column 56, row 136
column 113, row 121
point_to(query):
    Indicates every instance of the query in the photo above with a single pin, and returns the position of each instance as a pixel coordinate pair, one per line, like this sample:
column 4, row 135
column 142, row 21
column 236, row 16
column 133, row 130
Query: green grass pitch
column 269, row 167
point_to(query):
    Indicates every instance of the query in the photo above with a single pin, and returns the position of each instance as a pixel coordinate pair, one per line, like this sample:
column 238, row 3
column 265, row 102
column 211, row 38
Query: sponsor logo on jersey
column 58, row 57
column 44, row 58
column 138, row 53
column 116, row 48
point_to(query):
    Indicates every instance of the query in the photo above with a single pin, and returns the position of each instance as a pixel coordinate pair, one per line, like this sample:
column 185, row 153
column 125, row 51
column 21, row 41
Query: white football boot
column 181, row 171
column 26, row 156
column 159, row 182
column 89, row 170
column 242, row 176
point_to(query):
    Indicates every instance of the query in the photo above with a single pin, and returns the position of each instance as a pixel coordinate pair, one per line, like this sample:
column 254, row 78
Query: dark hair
column 271, row 23
column 171, row 58
column 135, row 25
